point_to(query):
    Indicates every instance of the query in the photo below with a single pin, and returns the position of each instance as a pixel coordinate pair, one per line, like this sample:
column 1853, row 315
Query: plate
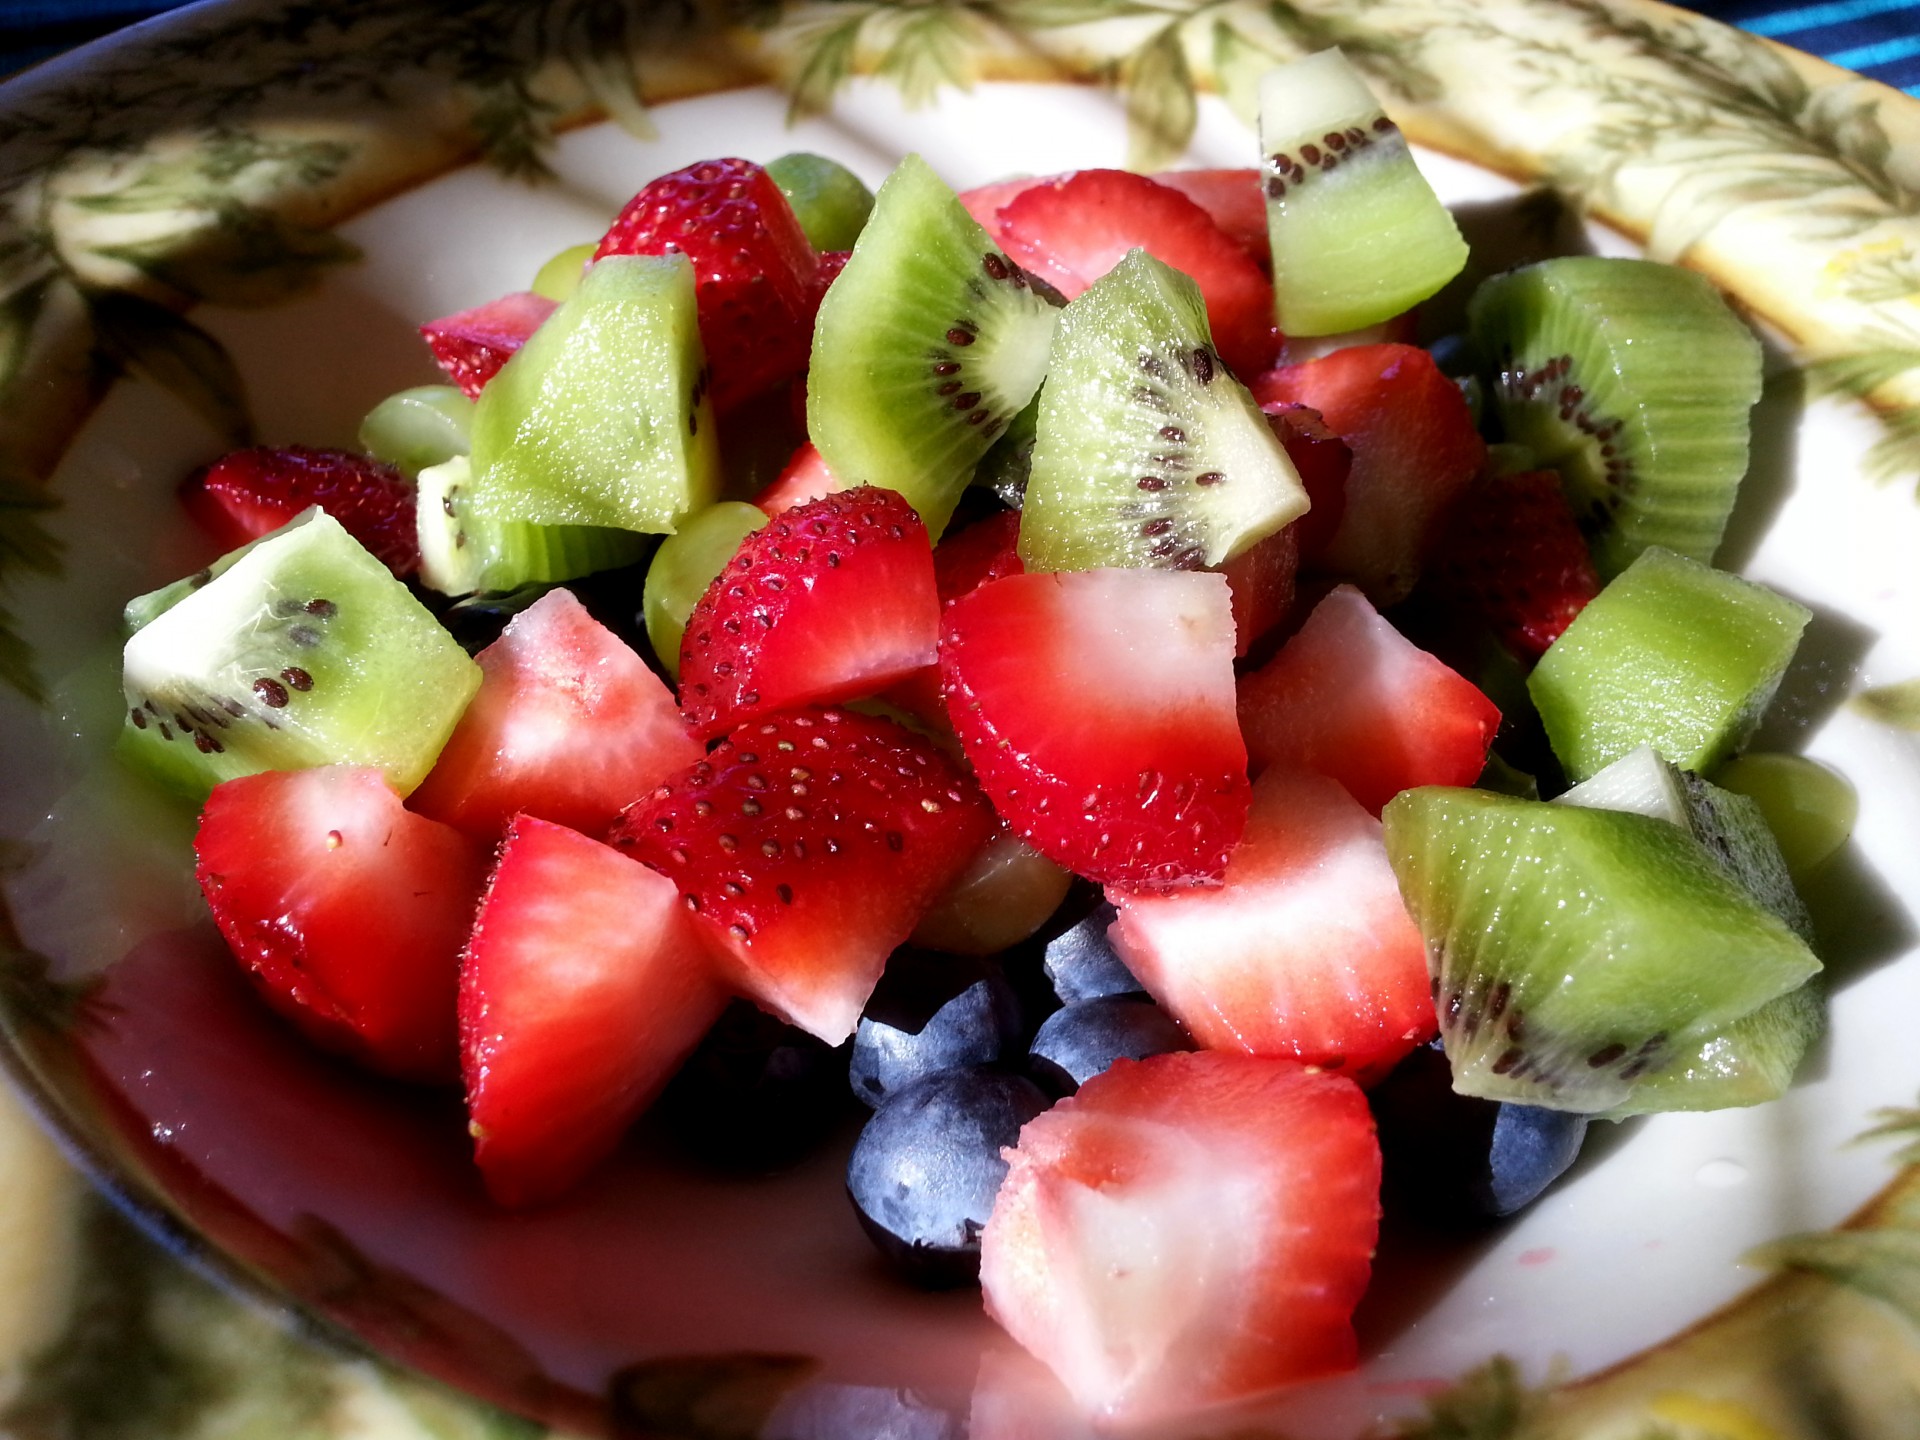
column 228, row 223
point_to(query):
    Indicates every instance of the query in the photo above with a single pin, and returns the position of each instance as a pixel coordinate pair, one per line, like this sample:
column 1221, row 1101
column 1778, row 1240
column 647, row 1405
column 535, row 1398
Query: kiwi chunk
column 1575, row 952
column 1148, row 453
column 1634, row 381
column 1357, row 233
column 926, row 346
column 462, row 553
column 830, row 201
column 1672, row 654
column 602, row 417
column 303, row 651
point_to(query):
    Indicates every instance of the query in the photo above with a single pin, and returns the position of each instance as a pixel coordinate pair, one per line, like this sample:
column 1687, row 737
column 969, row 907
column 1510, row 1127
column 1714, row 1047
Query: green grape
column 560, row 276
column 830, row 201
column 1808, row 807
column 413, row 429
column 684, row 566
column 1006, row 894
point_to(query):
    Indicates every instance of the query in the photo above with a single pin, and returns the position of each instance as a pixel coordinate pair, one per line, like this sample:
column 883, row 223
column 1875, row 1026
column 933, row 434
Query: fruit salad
column 1184, row 758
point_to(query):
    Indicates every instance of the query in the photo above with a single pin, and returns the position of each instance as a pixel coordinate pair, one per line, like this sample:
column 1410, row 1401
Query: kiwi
column 1148, row 452
column 1752, row 1060
column 1634, row 381
column 1672, row 654
column 302, row 651
column 462, row 553
column 602, row 417
column 927, row 345
column 1357, row 233
column 830, row 201
column 1576, row 952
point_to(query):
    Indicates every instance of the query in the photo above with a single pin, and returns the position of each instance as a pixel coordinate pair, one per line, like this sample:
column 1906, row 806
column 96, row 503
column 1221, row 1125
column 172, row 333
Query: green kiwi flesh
column 1358, row 235
column 927, row 344
column 1672, row 654
column 1752, row 1060
column 1634, row 381
column 1575, row 952
column 1148, row 453
column 602, row 417
column 462, row 553
column 303, row 651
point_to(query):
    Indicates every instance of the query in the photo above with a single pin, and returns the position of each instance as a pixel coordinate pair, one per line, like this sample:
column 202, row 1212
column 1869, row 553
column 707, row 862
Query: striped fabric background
column 1880, row 38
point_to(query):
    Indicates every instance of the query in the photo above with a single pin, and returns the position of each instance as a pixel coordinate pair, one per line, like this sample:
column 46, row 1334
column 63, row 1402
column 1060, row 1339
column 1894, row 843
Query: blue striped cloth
column 1880, row 38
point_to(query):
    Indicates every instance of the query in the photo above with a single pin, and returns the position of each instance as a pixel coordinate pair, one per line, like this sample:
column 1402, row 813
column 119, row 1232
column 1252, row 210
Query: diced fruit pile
column 931, row 551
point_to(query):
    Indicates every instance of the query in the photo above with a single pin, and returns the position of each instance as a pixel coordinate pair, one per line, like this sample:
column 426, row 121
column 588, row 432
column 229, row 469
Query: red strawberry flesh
column 568, row 725
column 347, row 911
column 582, row 990
column 1352, row 698
column 472, row 345
column 1234, row 200
column 1096, row 708
column 1306, row 951
column 807, row 846
column 1186, row 1232
column 830, row 600
column 1514, row 556
column 1072, row 230
column 249, row 493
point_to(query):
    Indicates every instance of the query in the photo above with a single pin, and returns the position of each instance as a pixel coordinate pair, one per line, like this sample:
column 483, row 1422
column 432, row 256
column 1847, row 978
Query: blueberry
column 1079, row 1042
column 758, row 1093
column 826, row 1411
column 1082, row 965
column 931, row 1013
column 1453, row 1158
column 927, row 1167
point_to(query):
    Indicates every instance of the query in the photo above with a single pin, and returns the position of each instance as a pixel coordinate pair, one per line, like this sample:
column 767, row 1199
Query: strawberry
column 1072, row 230
column 1514, row 556
column 1096, row 708
column 1350, row 697
column 581, row 991
column 472, row 345
column 829, row 600
column 1186, row 1232
column 807, row 846
column 964, row 560
column 1415, row 449
column 347, row 910
column 754, row 273
column 830, row 263
column 1234, row 200
column 806, row 477
column 984, row 202
column 568, row 725
column 248, row 493
column 1261, row 581
column 1305, row 952
column 1323, row 461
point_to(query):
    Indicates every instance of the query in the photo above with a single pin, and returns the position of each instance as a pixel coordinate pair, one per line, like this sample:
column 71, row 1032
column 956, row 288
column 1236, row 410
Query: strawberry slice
column 966, row 559
column 829, row 600
column 1187, row 1231
column 754, row 273
column 347, row 910
column 1234, row 200
column 1261, row 579
column 1514, row 556
column 472, row 345
column 1415, row 450
column 568, row 725
column 1074, row 229
column 805, row 477
column 1324, row 462
column 582, row 990
column 249, row 493
column 807, row 846
column 1096, row 707
column 984, row 202
column 1306, row 952
column 1352, row 698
